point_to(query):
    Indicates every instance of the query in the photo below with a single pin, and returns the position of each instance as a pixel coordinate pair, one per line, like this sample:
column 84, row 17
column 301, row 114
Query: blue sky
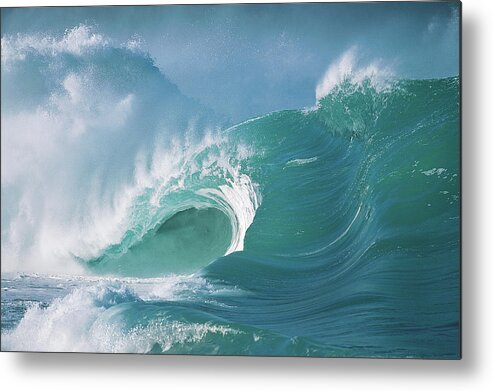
column 247, row 60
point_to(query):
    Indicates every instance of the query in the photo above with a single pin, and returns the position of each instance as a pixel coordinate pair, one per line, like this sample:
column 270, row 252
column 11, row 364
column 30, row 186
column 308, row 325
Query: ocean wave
column 331, row 231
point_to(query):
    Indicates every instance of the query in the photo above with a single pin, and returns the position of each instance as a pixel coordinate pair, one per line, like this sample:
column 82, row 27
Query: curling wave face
column 327, row 231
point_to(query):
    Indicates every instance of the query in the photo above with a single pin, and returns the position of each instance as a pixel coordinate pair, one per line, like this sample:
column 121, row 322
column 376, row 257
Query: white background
column 474, row 372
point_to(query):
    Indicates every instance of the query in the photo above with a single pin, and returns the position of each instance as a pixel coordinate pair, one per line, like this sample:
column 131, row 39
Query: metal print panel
column 268, row 179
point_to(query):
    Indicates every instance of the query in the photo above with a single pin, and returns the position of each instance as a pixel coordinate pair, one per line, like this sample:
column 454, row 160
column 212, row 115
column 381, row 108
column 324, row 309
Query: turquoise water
column 328, row 231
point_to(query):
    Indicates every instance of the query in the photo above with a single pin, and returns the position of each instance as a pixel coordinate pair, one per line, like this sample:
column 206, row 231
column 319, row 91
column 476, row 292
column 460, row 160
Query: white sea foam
column 301, row 162
column 66, row 323
column 350, row 67
column 142, row 339
column 434, row 171
column 85, row 321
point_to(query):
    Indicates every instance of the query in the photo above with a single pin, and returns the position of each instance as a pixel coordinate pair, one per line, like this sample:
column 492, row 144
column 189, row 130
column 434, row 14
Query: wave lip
column 239, row 200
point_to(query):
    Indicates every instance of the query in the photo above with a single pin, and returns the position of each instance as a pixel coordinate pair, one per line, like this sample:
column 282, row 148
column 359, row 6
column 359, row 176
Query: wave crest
column 77, row 41
column 348, row 68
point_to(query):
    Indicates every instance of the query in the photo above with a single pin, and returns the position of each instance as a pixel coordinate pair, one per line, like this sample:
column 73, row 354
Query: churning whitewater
column 135, row 219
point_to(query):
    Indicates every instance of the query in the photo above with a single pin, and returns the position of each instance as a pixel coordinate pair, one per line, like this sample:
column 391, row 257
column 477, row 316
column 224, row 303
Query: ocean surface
column 328, row 231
